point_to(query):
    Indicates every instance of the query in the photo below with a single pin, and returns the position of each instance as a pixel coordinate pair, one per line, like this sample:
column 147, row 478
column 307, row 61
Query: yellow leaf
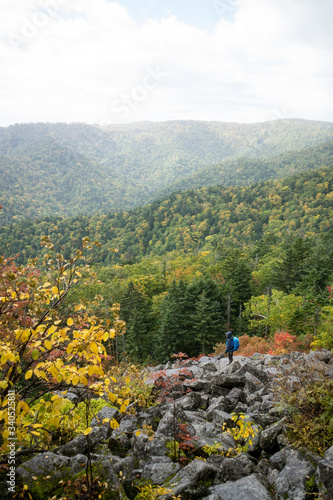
column 75, row 380
column 59, row 378
column 127, row 380
column 113, row 380
column 123, row 408
column 78, row 274
column 52, row 329
column 114, row 424
column 93, row 347
column 48, row 344
column 105, row 336
column 138, row 433
column 91, row 370
column 87, row 431
column 70, row 321
column 24, row 406
column 112, row 397
column 83, row 380
column 55, row 290
column 28, row 374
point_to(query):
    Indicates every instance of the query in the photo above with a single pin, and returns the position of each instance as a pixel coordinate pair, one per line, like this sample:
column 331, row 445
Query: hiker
column 230, row 346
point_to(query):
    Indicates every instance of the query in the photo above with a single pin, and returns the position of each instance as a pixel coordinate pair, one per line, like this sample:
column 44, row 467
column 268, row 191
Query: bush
column 307, row 393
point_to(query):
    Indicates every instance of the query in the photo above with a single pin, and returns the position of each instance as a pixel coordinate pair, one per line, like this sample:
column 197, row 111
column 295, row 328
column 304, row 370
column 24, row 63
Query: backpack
column 236, row 344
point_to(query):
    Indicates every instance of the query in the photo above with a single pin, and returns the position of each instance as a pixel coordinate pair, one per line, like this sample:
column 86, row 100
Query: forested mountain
column 66, row 170
column 191, row 220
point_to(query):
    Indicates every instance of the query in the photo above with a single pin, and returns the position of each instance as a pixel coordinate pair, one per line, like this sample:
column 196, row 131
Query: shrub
column 307, row 393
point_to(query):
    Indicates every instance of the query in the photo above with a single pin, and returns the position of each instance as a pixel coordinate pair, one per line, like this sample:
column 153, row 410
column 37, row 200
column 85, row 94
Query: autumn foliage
column 280, row 343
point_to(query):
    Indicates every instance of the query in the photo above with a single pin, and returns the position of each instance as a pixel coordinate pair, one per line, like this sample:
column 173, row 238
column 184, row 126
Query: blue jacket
column 230, row 342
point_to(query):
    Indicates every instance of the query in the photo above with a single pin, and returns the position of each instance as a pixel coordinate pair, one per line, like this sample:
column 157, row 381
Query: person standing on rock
column 230, row 346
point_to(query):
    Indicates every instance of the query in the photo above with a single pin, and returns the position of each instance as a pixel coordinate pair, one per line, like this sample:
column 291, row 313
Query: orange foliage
column 250, row 345
column 281, row 343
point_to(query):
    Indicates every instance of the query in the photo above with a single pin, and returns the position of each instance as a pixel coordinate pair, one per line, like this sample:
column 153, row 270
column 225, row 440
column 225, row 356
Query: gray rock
column 252, row 383
column 246, row 488
column 43, row 473
column 233, row 398
column 198, row 385
column 191, row 401
column 295, row 481
column 205, row 359
column 282, row 457
column 221, row 417
column 209, row 367
column 80, row 444
column 324, row 355
column 125, row 466
column 235, row 468
column 143, row 446
column 329, row 453
column 170, row 424
column 218, row 390
column 256, row 370
column 159, row 469
column 192, row 481
column 240, row 408
column 216, row 403
column 119, row 443
column 230, row 381
column 106, row 412
column 324, row 476
column 268, row 437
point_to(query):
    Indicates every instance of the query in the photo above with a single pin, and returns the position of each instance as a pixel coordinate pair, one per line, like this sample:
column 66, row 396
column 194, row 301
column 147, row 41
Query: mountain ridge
column 72, row 169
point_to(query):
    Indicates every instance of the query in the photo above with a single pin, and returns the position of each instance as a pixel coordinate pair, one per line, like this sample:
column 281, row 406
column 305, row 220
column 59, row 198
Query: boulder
column 268, row 437
column 104, row 413
column 159, row 470
column 230, row 381
column 47, row 474
column 234, row 397
column 324, row 475
column 170, row 424
column 80, row 444
column 43, row 473
column 235, row 468
column 246, row 488
column 296, row 481
column 192, row 481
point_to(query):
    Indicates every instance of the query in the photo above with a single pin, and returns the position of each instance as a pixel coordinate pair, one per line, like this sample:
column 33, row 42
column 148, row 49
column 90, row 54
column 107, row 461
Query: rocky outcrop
column 130, row 456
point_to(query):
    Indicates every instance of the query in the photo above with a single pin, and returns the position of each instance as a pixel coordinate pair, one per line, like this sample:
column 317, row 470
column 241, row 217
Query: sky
column 104, row 62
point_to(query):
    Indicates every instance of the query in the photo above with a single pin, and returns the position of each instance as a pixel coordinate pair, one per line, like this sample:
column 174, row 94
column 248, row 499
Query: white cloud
column 77, row 60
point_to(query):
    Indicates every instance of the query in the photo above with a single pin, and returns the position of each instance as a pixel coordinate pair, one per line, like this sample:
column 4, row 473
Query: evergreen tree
column 290, row 270
column 173, row 331
column 135, row 310
column 206, row 321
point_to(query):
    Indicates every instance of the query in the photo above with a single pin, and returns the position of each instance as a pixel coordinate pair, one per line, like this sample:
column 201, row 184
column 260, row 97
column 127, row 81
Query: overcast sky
column 99, row 61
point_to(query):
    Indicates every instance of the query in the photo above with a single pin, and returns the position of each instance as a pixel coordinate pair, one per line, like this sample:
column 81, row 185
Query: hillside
column 67, row 170
column 190, row 220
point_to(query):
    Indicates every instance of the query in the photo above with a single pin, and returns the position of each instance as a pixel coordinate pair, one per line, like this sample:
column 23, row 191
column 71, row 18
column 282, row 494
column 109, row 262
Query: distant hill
column 72, row 169
column 206, row 218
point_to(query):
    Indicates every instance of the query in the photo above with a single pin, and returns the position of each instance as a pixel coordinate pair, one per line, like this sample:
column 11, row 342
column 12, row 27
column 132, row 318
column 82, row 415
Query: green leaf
column 35, row 354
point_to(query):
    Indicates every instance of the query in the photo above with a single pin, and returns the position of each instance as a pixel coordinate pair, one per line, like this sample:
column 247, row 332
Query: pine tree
column 135, row 310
